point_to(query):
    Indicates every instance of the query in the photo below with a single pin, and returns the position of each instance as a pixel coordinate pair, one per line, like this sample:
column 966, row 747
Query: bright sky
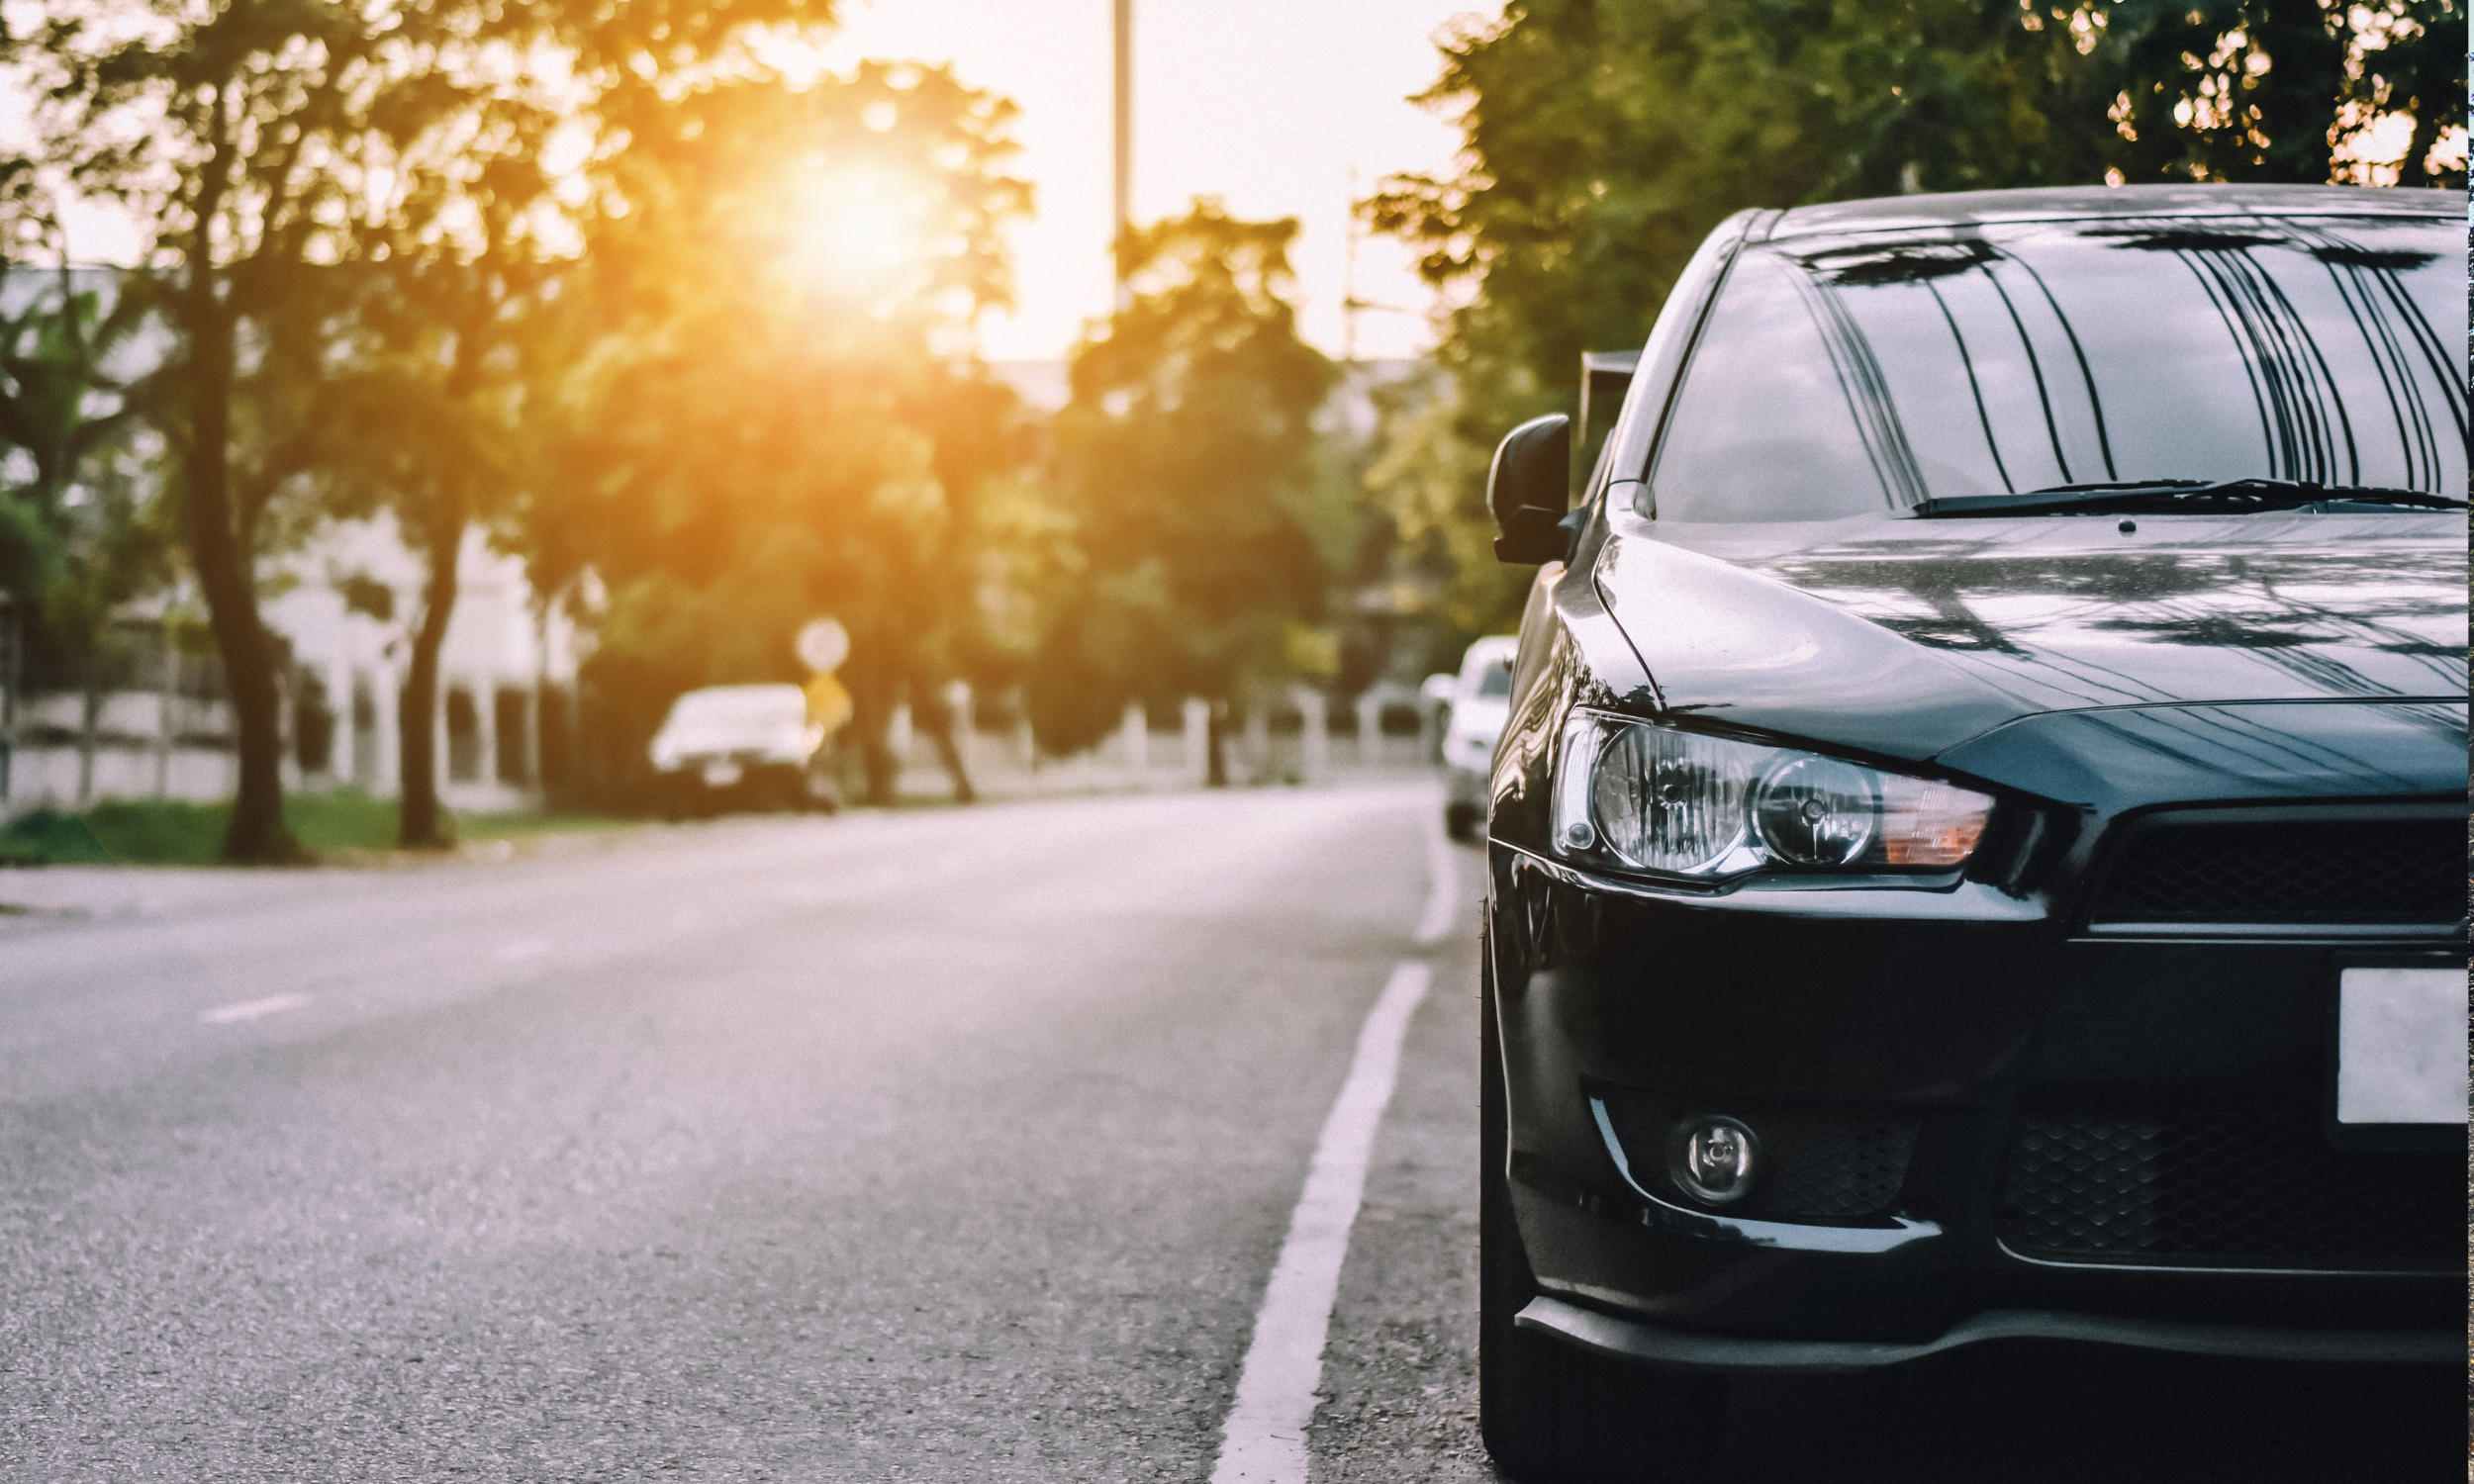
column 1266, row 104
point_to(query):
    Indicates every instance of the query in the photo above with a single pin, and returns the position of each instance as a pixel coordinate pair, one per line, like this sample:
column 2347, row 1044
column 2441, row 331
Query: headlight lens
column 1669, row 800
column 1654, row 798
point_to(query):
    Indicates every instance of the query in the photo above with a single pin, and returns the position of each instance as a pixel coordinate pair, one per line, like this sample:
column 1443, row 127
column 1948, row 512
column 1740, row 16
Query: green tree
column 1431, row 481
column 1603, row 139
column 780, row 417
column 258, row 143
column 79, row 534
column 426, row 423
column 2277, row 89
column 62, row 406
column 1208, row 526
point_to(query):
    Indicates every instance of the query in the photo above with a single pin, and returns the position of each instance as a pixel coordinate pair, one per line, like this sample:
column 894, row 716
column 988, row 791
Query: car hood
column 1909, row 636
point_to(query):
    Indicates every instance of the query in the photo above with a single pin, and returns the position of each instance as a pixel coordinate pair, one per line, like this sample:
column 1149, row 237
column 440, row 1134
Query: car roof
column 771, row 691
column 758, row 689
column 1489, row 650
column 2066, row 203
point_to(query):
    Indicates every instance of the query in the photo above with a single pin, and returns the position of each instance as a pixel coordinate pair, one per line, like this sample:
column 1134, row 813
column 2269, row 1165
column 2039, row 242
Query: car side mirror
column 1529, row 488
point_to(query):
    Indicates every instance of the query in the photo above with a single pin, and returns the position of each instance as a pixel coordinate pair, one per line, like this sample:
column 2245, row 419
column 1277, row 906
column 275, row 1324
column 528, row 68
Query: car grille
column 2225, row 1191
column 2317, row 871
column 1824, row 1169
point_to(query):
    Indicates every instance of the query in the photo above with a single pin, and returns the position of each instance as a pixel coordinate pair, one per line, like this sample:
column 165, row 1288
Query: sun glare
column 862, row 233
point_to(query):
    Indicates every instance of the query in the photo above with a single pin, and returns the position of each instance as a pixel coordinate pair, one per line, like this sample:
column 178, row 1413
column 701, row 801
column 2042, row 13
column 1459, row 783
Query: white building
column 505, row 672
column 152, row 722
column 504, row 721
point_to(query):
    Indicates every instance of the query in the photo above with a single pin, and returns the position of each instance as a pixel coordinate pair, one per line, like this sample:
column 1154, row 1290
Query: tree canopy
column 1603, row 139
column 77, row 533
column 1206, row 526
column 261, row 146
column 770, row 412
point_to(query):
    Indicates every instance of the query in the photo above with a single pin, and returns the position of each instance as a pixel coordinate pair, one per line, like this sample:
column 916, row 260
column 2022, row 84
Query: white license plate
column 720, row 774
column 2400, row 1046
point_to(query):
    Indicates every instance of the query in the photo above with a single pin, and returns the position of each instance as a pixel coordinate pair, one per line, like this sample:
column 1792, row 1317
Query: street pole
column 1349, row 304
column 1124, row 149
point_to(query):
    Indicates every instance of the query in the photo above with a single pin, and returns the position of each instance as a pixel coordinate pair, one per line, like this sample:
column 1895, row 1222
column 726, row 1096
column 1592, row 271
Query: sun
column 861, row 232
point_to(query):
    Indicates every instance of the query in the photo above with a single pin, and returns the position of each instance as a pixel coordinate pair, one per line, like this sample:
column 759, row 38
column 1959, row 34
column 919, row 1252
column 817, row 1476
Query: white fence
column 1302, row 742
column 150, row 744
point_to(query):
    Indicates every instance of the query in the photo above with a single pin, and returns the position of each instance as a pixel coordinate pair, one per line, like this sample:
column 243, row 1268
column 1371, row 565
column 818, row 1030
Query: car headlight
column 1654, row 798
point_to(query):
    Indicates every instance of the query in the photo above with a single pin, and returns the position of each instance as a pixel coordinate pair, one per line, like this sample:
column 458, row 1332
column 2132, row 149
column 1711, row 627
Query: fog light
column 1712, row 1159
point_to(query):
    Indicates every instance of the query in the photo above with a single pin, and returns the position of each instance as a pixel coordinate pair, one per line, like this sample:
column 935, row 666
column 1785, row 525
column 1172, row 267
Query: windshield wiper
column 2190, row 497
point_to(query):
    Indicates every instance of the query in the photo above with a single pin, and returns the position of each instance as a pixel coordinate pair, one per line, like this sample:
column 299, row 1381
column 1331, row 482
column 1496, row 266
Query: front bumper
column 1925, row 1032
column 722, row 783
column 1648, row 1345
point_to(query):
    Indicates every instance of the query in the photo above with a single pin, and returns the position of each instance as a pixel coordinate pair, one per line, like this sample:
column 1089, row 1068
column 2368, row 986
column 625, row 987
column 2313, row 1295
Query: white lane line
column 251, row 1009
column 1263, row 1439
column 1443, row 898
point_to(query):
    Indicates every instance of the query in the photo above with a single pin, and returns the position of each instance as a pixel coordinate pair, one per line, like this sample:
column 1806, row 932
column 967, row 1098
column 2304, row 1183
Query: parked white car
column 740, row 746
column 1480, row 700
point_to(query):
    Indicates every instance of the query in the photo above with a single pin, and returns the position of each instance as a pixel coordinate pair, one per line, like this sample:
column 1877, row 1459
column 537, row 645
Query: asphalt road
column 948, row 1145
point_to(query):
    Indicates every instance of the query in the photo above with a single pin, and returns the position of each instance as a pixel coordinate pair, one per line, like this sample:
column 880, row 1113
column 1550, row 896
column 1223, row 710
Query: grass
column 178, row 833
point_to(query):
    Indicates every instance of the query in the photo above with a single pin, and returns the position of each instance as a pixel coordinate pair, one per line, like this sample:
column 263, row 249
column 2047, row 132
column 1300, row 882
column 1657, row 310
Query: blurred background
column 403, row 405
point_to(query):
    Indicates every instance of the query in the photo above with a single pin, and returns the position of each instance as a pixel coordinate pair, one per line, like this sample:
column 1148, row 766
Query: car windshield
column 1843, row 375
column 1495, row 683
column 737, row 708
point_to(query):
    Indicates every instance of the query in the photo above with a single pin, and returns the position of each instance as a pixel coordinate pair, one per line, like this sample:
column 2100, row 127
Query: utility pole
column 1124, row 149
column 1349, row 304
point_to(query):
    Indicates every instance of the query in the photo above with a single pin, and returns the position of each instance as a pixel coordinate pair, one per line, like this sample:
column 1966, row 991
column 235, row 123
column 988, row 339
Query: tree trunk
column 1215, row 770
column 422, row 825
column 12, row 675
column 870, row 679
column 219, row 541
column 226, row 576
column 871, row 717
column 443, row 517
column 949, row 752
column 932, row 713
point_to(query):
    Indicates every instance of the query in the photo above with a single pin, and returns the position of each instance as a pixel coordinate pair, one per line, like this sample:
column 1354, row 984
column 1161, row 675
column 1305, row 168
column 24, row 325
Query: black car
column 1978, row 851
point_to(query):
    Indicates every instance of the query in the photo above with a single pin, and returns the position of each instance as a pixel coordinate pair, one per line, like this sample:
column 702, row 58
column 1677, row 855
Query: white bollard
column 1313, row 734
column 387, row 694
column 1197, row 740
column 897, row 735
